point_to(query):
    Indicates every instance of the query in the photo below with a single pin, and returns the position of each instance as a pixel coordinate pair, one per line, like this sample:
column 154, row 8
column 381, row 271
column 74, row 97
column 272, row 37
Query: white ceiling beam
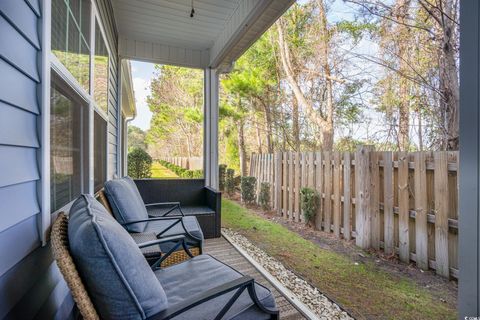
column 132, row 48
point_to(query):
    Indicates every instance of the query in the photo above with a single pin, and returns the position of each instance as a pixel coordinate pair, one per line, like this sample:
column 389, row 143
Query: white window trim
column 45, row 124
column 49, row 62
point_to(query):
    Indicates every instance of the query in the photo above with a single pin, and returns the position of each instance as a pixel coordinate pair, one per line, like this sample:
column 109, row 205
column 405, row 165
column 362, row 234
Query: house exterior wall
column 469, row 206
column 31, row 286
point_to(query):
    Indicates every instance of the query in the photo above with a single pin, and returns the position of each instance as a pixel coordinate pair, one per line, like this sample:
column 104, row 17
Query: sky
column 142, row 73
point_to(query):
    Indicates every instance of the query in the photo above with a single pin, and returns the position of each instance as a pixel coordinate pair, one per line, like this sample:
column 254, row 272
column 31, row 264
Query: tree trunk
column 241, row 147
column 403, row 33
column 259, row 138
column 323, row 47
column 268, row 121
column 295, row 125
column 449, row 85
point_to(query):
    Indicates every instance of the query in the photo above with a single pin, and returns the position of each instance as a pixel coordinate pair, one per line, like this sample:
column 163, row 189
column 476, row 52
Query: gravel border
column 306, row 293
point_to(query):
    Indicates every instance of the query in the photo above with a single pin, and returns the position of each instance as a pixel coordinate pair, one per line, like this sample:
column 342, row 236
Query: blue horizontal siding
column 17, row 203
column 16, row 88
column 19, row 52
column 35, row 6
column 17, row 242
column 22, row 278
column 23, row 18
column 18, row 165
column 18, row 127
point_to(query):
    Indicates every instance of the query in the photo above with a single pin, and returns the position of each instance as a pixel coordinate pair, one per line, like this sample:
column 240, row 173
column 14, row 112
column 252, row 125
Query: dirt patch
column 441, row 288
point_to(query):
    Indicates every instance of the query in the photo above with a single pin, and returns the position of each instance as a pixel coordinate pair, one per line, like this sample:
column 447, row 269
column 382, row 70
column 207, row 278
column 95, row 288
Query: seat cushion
column 117, row 277
column 190, row 223
column 185, row 280
column 126, row 202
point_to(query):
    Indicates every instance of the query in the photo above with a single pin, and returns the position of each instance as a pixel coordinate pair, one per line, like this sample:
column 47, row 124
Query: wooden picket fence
column 189, row 163
column 401, row 203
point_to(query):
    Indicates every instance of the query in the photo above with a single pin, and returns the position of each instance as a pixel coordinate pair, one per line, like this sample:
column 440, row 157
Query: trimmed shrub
column 247, row 186
column 264, row 196
column 139, row 164
column 230, row 182
column 222, row 168
column 310, row 200
column 182, row 172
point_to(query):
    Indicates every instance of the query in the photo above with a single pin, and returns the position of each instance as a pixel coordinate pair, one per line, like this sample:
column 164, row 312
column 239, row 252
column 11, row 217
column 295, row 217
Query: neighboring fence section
column 189, row 163
column 402, row 203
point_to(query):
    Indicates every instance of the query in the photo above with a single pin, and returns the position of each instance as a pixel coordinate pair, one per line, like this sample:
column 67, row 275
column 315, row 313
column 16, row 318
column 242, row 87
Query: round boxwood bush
column 247, row 185
column 222, row 170
column 139, row 164
column 310, row 200
column 264, row 196
column 230, row 182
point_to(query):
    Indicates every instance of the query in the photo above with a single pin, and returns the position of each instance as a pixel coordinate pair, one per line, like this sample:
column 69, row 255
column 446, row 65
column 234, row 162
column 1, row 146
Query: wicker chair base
column 60, row 249
column 180, row 256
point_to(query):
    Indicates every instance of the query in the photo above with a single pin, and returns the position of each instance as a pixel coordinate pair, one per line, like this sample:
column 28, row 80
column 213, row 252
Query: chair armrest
column 175, row 220
column 174, row 206
column 212, row 198
column 160, row 241
column 240, row 284
column 161, row 204
column 180, row 241
column 150, row 219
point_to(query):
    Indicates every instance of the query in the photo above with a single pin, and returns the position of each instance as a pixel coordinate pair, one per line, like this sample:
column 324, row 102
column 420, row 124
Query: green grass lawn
column 159, row 171
column 364, row 289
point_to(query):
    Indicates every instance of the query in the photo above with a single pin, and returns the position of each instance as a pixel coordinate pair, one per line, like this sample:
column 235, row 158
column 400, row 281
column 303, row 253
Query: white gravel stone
column 306, row 293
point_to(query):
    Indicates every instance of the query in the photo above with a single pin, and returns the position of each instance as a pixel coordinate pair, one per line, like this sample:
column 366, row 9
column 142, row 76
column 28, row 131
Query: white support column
column 210, row 128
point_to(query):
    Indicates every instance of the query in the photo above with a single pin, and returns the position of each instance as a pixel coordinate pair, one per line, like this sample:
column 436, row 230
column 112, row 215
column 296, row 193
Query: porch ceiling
column 162, row 31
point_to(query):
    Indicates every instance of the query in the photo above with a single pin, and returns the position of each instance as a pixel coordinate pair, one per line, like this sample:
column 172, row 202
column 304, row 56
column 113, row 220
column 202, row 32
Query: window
column 100, row 77
column 71, row 37
column 69, row 144
column 79, row 109
column 99, row 151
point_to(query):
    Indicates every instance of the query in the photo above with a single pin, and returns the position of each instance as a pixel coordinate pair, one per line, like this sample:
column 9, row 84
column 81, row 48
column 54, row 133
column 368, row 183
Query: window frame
column 51, row 63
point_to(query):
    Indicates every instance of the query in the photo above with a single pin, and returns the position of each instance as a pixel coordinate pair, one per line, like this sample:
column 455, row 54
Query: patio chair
column 151, row 253
column 129, row 210
column 109, row 278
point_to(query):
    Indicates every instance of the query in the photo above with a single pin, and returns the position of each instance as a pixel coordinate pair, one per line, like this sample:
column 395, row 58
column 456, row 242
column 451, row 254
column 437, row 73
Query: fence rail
column 189, row 163
column 401, row 203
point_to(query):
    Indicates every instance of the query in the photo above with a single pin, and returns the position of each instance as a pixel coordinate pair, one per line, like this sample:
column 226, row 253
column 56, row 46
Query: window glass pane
column 100, row 152
column 68, row 144
column 71, row 37
column 100, row 77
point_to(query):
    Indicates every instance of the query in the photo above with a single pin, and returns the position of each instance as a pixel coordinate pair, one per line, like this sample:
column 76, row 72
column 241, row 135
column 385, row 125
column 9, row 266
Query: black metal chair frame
column 180, row 241
column 240, row 285
column 176, row 220
column 175, row 205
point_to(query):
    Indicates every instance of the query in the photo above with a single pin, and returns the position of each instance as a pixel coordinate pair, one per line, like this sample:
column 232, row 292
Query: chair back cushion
column 126, row 203
column 118, row 279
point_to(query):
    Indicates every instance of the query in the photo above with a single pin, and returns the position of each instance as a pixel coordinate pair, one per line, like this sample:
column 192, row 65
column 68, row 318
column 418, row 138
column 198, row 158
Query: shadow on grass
column 362, row 288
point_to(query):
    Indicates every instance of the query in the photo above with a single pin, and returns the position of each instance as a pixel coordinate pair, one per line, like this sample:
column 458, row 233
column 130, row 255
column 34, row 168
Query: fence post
column 319, row 187
column 375, row 198
column 403, row 208
column 362, row 196
column 421, row 205
column 347, row 206
column 278, row 183
column 441, row 213
column 388, row 197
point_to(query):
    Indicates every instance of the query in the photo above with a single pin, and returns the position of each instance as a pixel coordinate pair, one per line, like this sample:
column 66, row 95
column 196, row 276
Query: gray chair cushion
column 116, row 275
column 190, row 223
column 126, row 202
column 192, row 277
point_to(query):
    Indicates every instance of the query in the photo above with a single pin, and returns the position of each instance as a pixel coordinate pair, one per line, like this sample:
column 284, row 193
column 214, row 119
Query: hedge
column 182, row 172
